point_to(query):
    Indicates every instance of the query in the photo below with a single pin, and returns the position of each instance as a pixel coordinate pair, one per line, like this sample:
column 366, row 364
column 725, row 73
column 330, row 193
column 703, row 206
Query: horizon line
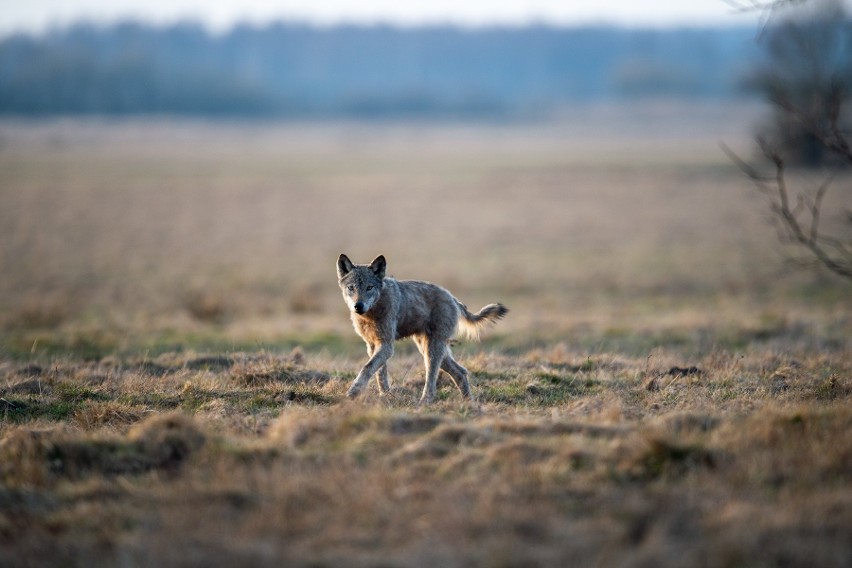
column 321, row 24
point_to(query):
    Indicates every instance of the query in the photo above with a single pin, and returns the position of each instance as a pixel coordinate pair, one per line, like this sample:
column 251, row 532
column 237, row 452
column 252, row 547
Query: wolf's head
column 361, row 284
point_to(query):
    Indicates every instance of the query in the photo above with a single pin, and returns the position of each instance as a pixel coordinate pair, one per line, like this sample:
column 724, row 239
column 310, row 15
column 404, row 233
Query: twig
column 775, row 186
column 755, row 5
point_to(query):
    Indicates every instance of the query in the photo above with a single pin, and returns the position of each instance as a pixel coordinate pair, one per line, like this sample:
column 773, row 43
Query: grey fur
column 384, row 309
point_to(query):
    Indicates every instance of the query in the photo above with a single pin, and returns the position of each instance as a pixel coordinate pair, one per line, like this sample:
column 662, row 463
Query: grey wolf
column 384, row 309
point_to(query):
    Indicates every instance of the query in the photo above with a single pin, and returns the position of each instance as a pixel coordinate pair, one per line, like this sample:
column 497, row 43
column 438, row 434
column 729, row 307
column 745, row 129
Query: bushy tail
column 471, row 324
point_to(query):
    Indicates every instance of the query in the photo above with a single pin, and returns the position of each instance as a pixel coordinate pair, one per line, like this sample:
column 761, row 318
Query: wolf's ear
column 379, row 265
column 344, row 266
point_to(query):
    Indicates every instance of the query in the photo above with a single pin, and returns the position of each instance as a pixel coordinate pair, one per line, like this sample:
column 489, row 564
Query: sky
column 220, row 15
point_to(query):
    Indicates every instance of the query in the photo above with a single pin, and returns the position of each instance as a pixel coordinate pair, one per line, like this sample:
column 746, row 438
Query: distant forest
column 296, row 70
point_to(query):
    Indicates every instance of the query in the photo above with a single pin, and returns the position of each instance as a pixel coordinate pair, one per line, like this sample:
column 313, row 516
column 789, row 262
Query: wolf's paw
column 353, row 392
column 426, row 399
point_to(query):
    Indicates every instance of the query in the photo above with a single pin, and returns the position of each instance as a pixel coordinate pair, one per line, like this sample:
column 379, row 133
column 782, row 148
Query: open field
column 174, row 352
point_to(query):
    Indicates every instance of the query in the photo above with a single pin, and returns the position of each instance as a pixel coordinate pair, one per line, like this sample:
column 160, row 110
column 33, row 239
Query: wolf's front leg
column 382, row 375
column 378, row 361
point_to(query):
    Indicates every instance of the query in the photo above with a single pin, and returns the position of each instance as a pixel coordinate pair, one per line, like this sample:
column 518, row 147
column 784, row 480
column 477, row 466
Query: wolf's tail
column 471, row 324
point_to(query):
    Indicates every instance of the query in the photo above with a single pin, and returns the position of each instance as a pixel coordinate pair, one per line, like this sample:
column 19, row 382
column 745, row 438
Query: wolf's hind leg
column 433, row 357
column 458, row 373
column 382, row 379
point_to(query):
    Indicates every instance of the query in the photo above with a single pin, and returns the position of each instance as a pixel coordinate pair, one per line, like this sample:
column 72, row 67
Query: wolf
column 384, row 309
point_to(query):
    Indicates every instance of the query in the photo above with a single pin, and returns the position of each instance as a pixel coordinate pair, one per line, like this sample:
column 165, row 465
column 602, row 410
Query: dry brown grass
column 175, row 354
column 261, row 459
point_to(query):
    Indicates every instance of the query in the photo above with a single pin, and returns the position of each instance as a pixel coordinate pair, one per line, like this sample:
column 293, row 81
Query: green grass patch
column 18, row 410
column 61, row 402
column 81, row 345
column 150, row 399
column 504, row 393
column 542, row 389
column 663, row 458
column 25, row 345
column 75, row 393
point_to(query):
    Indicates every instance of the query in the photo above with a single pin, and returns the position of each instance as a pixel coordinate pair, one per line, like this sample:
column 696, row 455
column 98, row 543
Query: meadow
column 667, row 389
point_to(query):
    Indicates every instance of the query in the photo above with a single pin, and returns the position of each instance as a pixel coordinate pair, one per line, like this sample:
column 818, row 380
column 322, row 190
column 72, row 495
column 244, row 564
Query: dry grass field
column 174, row 352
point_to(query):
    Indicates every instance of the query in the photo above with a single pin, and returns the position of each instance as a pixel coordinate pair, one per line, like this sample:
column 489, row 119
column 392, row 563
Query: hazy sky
column 37, row 15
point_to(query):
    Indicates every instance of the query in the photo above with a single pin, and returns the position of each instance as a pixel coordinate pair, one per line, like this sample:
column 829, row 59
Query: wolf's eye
column 351, row 288
column 369, row 288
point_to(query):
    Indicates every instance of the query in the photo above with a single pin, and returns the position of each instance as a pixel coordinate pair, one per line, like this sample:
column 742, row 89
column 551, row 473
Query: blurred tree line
column 298, row 70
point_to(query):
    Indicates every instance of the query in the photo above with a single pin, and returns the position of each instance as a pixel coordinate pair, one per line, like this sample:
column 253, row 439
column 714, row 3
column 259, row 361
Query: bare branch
column 766, row 7
column 838, row 142
column 831, row 253
column 744, row 166
column 817, row 204
column 830, row 136
column 755, row 5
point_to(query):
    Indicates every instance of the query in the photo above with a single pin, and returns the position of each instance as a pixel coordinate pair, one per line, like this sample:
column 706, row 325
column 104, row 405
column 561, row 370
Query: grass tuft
column 167, row 439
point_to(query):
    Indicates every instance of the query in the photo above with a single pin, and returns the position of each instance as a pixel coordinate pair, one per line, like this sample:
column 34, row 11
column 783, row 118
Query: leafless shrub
column 807, row 82
column 798, row 219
